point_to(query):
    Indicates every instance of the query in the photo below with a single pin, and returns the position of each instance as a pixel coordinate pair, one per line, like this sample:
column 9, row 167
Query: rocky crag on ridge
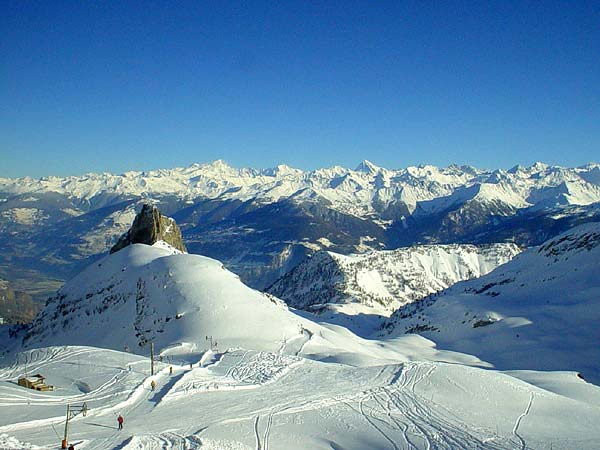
column 149, row 227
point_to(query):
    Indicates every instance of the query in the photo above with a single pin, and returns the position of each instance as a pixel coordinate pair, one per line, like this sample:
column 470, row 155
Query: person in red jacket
column 120, row 420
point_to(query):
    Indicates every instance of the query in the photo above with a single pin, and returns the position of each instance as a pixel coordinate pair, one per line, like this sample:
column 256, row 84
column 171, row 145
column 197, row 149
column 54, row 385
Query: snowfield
column 243, row 399
column 238, row 369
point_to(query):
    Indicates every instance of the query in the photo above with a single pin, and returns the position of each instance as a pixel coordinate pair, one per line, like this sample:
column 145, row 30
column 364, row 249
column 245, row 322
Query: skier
column 171, row 370
column 120, row 420
column 71, row 447
column 153, row 384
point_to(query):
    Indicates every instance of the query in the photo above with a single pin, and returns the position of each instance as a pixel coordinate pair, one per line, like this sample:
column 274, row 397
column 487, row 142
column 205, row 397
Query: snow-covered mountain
column 274, row 379
column 263, row 222
column 539, row 311
column 144, row 294
column 388, row 279
column 364, row 192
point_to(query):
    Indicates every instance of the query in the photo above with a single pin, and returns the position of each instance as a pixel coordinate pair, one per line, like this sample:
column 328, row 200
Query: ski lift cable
column 55, row 432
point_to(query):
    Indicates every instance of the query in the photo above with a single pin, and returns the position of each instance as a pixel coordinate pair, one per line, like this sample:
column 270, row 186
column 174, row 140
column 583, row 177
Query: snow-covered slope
column 144, row 294
column 275, row 378
column 248, row 400
column 386, row 279
column 154, row 293
column 540, row 311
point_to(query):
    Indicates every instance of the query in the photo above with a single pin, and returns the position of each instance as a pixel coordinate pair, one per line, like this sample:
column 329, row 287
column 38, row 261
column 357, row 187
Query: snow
column 385, row 280
column 150, row 293
column 537, row 312
column 272, row 377
column 248, row 400
column 366, row 191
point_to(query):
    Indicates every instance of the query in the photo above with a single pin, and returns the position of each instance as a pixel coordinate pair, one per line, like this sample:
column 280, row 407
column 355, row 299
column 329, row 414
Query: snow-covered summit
column 363, row 191
column 144, row 294
column 368, row 167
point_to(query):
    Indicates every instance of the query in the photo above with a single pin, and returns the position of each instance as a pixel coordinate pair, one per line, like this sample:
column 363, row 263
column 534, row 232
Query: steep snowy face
column 386, row 279
column 539, row 311
column 145, row 294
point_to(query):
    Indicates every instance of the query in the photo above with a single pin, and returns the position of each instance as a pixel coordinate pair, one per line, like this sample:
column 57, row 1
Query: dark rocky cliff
column 149, row 227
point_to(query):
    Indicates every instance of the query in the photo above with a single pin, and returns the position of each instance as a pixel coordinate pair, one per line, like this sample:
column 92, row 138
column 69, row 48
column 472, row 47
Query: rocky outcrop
column 149, row 227
column 16, row 306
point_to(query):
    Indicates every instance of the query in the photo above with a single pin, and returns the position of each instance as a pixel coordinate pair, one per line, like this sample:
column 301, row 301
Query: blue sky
column 117, row 86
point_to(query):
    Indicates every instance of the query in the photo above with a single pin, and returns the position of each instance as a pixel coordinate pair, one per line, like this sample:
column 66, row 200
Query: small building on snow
column 37, row 382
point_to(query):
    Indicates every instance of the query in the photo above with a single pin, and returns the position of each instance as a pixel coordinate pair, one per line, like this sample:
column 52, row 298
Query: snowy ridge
column 365, row 191
column 539, row 311
column 386, row 279
column 144, row 294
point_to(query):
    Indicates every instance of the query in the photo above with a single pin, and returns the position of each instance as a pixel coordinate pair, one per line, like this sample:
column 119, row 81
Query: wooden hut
column 37, row 382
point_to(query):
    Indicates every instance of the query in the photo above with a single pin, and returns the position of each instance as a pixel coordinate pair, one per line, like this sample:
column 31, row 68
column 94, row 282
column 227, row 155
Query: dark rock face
column 16, row 306
column 149, row 227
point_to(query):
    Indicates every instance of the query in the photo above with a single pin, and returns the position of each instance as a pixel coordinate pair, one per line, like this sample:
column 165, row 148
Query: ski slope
column 268, row 377
column 244, row 399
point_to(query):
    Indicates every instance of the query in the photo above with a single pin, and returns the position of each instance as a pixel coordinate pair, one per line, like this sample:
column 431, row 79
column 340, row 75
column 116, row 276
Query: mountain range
column 348, row 289
column 263, row 223
column 466, row 366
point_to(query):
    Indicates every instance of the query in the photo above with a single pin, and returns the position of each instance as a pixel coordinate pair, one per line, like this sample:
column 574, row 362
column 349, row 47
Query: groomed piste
column 237, row 369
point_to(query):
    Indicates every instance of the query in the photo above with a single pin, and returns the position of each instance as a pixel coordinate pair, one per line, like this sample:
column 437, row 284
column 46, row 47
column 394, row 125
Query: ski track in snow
column 397, row 408
column 391, row 410
column 421, row 423
column 518, row 422
column 163, row 441
column 256, row 435
column 35, row 359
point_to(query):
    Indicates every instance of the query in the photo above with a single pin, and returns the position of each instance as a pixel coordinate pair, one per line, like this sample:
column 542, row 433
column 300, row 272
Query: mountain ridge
column 263, row 222
column 538, row 311
column 390, row 278
column 219, row 180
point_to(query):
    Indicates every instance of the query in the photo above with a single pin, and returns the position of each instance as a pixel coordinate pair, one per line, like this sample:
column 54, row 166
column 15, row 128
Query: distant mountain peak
column 281, row 170
column 539, row 167
column 367, row 166
column 150, row 227
column 217, row 165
